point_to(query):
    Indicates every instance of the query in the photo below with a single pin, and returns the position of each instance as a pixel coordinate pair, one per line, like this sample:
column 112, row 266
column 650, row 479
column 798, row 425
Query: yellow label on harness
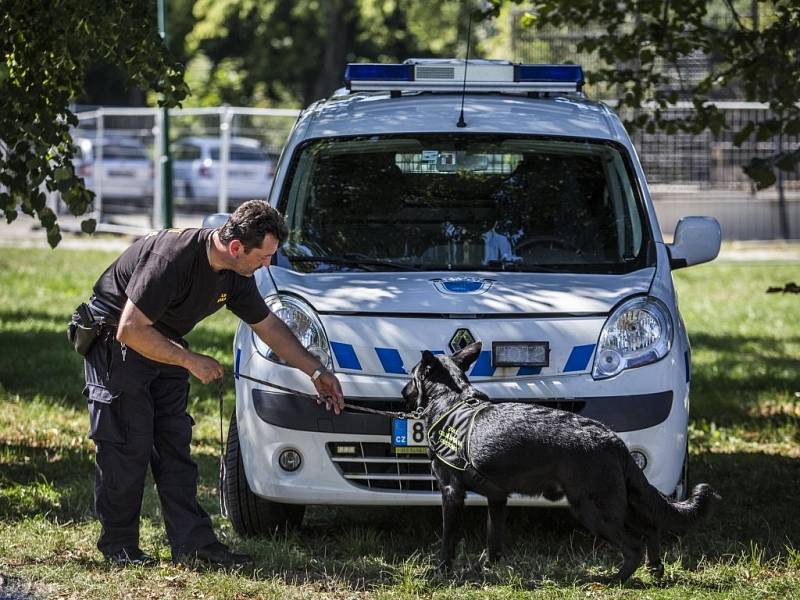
column 448, row 437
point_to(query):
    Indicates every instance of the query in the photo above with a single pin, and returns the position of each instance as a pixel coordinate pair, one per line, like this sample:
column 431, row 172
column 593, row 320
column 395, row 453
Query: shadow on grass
column 56, row 482
column 742, row 371
column 366, row 548
column 42, row 362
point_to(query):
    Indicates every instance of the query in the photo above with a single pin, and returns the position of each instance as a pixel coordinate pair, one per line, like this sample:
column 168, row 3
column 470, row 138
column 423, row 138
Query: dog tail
column 663, row 512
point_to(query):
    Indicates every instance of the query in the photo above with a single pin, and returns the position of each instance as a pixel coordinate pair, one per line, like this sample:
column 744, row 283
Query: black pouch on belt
column 83, row 329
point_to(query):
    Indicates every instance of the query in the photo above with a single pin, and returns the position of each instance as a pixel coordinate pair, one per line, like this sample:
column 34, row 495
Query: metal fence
column 688, row 174
column 119, row 149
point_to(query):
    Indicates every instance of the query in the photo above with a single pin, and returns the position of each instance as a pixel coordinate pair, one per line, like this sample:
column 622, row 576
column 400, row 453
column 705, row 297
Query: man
column 137, row 375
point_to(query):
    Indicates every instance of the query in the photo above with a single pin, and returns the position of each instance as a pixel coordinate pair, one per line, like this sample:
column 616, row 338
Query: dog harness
column 449, row 439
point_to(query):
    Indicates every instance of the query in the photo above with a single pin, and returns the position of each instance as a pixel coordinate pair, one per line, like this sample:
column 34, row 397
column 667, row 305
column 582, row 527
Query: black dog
column 499, row 449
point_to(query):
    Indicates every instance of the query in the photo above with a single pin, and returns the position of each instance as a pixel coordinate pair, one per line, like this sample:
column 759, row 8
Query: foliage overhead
column 642, row 42
column 292, row 52
column 47, row 47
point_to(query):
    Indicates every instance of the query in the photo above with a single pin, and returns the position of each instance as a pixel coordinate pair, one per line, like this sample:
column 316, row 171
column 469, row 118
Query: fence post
column 97, row 166
column 226, row 118
column 157, row 170
column 165, row 159
column 784, row 217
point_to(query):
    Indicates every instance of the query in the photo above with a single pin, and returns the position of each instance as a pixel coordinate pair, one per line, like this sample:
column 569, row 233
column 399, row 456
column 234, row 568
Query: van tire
column 682, row 488
column 251, row 515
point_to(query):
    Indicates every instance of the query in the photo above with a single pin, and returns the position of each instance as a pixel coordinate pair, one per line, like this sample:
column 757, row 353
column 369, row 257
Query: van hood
column 474, row 294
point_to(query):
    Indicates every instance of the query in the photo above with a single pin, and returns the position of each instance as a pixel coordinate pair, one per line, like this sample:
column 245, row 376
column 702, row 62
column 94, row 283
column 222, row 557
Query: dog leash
column 417, row 414
column 365, row 409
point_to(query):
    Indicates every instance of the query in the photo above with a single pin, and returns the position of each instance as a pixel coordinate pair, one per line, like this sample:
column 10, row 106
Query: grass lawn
column 745, row 441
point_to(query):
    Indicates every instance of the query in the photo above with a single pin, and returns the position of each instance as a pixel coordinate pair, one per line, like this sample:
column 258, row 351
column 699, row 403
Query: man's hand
column 205, row 368
column 329, row 391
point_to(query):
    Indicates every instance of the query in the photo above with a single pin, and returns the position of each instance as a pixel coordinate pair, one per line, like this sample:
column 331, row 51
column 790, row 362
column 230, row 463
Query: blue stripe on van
column 345, row 356
column 483, row 366
column 529, row 371
column 688, row 366
column 391, row 360
column 579, row 358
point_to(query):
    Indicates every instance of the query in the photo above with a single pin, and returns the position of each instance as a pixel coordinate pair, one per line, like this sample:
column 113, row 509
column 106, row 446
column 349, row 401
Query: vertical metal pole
column 782, row 212
column 159, row 175
column 165, row 159
column 97, row 168
column 225, row 120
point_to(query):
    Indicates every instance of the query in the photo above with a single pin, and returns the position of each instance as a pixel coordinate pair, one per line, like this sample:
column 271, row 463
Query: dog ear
column 467, row 355
column 428, row 358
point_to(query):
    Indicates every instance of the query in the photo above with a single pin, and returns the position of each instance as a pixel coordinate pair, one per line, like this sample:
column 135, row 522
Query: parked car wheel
column 249, row 514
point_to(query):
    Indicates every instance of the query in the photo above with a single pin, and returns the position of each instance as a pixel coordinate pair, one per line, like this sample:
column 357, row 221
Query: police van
column 435, row 203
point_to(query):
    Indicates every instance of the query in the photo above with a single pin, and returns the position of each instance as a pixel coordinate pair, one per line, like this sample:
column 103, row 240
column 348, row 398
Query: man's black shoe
column 130, row 557
column 215, row 554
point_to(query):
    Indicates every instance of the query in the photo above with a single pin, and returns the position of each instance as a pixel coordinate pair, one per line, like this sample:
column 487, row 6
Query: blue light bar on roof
column 453, row 75
column 550, row 73
column 378, row 72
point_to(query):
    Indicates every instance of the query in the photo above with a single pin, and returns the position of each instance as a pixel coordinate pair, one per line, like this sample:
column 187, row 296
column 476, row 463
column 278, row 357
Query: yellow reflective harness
column 449, row 439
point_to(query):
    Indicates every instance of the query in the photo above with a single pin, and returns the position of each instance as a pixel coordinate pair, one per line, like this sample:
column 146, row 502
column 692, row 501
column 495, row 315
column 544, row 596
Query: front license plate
column 409, row 432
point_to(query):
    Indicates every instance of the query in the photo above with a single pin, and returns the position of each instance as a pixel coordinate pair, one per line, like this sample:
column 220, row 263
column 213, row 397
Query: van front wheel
column 249, row 514
column 682, row 489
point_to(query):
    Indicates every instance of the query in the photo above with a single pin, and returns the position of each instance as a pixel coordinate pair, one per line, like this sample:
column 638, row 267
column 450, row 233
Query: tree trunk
column 339, row 17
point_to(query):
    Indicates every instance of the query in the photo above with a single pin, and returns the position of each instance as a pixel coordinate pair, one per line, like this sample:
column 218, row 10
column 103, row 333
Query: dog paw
column 656, row 570
column 444, row 566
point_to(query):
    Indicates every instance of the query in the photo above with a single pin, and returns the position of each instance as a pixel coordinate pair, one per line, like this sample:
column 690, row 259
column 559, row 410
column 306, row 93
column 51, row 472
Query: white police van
column 522, row 221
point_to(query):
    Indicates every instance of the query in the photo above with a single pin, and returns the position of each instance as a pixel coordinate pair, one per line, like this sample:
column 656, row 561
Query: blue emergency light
column 447, row 75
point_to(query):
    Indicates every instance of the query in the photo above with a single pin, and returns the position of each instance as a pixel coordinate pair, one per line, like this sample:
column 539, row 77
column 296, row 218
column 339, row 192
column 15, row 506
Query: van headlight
column 304, row 323
column 638, row 332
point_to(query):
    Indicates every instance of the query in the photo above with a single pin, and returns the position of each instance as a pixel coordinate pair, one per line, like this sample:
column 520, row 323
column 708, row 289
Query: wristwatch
column 318, row 372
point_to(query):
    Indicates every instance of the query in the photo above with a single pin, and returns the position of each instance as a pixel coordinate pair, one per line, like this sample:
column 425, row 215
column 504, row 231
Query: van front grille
column 376, row 466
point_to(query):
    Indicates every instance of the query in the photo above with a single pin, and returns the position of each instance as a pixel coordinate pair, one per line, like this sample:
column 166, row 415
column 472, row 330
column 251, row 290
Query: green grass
column 745, row 440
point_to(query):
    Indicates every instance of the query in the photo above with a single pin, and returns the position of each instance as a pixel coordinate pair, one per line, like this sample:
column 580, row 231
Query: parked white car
column 197, row 174
column 122, row 170
column 524, row 222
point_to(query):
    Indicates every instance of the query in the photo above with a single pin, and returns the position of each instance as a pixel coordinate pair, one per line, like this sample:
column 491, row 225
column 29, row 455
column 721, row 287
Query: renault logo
column 461, row 338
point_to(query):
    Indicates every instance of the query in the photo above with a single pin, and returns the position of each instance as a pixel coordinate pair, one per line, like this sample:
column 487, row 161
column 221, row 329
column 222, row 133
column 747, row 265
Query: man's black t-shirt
column 168, row 277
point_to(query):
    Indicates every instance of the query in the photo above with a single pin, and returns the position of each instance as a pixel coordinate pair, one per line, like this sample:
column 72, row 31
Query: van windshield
column 462, row 202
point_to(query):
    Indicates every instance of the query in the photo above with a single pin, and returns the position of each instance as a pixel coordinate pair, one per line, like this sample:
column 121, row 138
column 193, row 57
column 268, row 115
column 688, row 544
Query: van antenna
column 461, row 121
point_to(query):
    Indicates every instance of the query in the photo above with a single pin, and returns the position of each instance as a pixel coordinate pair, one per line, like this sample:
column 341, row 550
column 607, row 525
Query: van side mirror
column 215, row 221
column 696, row 240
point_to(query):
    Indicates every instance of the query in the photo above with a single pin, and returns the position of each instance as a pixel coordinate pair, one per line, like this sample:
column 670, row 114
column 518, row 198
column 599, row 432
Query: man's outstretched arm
column 280, row 338
column 136, row 331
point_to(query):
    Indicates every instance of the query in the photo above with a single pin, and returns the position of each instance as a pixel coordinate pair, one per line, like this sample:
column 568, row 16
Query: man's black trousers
column 137, row 417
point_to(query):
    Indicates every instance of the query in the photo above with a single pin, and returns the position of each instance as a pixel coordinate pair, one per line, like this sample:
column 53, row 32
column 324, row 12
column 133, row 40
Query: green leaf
column 47, row 218
column 88, row 225
column 62, row 174
column 53, row 235
column 744, row 133
column 11, row 215
column 792, row 127
column 761, row 172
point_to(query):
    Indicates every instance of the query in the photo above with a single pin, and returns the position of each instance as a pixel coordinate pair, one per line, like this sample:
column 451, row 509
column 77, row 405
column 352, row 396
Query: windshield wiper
column 355, row 260
column 518, row 266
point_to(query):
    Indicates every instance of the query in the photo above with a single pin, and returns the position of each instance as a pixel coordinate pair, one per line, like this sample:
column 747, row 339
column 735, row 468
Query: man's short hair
column 251, row 222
